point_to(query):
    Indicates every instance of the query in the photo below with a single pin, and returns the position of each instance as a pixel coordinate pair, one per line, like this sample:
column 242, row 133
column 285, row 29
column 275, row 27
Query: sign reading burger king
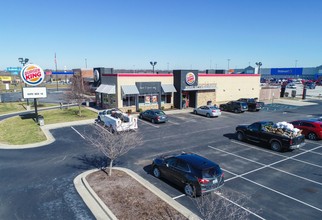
column 190, row 78
column 32, row 75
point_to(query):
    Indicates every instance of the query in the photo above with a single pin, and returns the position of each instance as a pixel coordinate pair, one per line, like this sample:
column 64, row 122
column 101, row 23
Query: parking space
column 280, row 185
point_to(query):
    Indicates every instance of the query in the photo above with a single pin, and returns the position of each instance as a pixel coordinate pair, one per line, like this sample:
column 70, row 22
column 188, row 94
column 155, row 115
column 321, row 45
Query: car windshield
column 213, row 107
column 211, row 172
column 160, row 113
column 244, row 104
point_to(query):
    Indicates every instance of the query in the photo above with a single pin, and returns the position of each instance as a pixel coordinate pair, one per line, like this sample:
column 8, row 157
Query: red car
column 311, row 128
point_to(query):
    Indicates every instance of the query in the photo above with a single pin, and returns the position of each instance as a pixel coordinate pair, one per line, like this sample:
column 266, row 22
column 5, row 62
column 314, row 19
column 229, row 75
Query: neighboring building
column 303, row 73
column 182, row 88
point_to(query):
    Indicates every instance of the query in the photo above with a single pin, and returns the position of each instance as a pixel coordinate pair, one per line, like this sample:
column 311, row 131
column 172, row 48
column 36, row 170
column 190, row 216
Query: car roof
column 197, row 161
column 311, row 120
column 156, row 110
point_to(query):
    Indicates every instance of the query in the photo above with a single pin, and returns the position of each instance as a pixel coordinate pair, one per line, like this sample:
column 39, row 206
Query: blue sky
column 179, row 34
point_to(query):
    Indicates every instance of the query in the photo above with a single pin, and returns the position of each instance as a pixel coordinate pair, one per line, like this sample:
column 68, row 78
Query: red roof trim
column 138, row 75
column 228, row 75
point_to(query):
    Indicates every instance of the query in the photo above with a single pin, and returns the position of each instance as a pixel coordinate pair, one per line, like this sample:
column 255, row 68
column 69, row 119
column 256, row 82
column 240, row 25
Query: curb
column 101, row 211
column 50, row 138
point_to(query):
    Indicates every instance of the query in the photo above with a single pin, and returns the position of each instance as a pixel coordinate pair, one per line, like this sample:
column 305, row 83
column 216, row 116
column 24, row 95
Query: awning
column 107, row 89
column 130, row 90
column 168, row 88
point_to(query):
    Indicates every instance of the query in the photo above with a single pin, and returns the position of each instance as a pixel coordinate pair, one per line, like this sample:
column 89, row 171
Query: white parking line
column 218, row 194
column 148, row 123
column 312, row 152
column 283, row 194
column 253, row 213
column 273, row 190
column 177, row 197
column 171, row 122
column 267, row 166
column 188, row 133
column 277, row 154
column 78, row 132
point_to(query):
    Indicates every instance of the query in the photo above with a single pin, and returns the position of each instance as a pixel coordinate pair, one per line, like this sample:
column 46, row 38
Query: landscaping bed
column 128, row 199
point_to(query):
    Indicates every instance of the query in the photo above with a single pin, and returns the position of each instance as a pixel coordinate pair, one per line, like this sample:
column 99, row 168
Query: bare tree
column 78, row 92
column 112, row 145
column 217, row 205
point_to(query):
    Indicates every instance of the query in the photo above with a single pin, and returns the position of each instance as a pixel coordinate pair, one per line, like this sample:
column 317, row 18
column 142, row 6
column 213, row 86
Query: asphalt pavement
column 37, row 183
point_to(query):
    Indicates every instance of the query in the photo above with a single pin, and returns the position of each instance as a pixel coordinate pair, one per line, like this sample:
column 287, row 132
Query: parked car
column 291, row 86
column 258, row 132
column 208, row 110
column 234, row 106
column 154, row 115
column 253, row 104
column 311, row 128
column 310, row 85
column 196, row 174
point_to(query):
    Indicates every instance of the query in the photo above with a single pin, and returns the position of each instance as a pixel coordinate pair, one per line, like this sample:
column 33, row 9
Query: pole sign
column 32, row 75
column 34, row 92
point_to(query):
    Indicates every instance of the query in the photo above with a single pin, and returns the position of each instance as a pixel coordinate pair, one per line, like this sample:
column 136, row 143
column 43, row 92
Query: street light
column 258, row 64
column 153, row 64
column 23, row 61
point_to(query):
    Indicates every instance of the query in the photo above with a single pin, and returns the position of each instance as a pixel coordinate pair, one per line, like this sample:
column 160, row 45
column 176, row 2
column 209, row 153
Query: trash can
column 41, row 120
column 293, row 93
column 286, row 94
column 209, row 102
column 87, row 103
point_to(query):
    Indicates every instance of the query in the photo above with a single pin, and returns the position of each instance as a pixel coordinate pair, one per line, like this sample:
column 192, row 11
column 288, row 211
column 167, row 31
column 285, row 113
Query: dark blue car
column 154, row 115
column 195, row 174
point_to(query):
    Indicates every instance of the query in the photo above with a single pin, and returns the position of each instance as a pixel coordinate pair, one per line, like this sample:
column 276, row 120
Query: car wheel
column 240, row 136
column 99, row 118
column 156, row 172
column 221, row 109
column 236, row 110
column 153, row 121
column 208, row 115
column 276, row 146
column 140, row 117
column 195, row 112
column 189, row 190
column 311, row 136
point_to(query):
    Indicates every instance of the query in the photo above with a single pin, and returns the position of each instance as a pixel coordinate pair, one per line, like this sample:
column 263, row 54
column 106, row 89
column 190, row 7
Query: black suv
column 196, row 174
column 234, row 106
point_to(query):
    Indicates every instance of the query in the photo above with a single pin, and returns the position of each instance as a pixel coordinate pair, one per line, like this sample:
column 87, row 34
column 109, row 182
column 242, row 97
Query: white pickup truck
column 119, row 121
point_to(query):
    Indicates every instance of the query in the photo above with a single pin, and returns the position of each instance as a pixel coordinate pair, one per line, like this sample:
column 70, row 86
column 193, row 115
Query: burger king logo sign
column 32, row 74
column 190, row 78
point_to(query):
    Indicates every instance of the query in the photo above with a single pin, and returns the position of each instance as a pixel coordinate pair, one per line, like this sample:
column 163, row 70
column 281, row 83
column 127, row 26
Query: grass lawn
column 9, row 107
column 16, row 131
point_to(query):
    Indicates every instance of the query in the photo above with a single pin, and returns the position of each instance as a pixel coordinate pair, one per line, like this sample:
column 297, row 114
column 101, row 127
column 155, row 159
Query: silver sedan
column 207, row 110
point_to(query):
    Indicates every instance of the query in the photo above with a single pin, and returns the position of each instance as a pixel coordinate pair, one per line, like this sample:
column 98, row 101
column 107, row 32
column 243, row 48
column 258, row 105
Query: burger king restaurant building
column 180, row 89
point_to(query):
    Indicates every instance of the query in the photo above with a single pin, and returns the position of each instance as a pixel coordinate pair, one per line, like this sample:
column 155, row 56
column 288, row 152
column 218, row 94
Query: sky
column 177, row 34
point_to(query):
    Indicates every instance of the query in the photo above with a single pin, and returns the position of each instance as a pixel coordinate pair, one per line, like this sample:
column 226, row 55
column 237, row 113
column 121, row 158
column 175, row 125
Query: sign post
column 33, row 75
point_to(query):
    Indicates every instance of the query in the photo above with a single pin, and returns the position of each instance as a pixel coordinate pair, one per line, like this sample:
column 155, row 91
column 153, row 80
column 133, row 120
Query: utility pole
column 56, row 71
column 23, row 61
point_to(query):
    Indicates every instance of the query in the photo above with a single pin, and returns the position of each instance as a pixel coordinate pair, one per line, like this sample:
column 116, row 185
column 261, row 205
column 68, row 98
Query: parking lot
column 278, row 185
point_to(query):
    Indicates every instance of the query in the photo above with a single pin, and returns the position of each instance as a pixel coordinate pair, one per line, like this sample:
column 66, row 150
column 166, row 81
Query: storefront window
column 166, row 98
column 148, row 99
column 128, row 100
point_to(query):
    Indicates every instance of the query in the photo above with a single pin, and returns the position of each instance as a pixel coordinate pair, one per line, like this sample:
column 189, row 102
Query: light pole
column 153, row 64
column 86, row 63
column 23, row 61
column 258, row 64
column 228, row 60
